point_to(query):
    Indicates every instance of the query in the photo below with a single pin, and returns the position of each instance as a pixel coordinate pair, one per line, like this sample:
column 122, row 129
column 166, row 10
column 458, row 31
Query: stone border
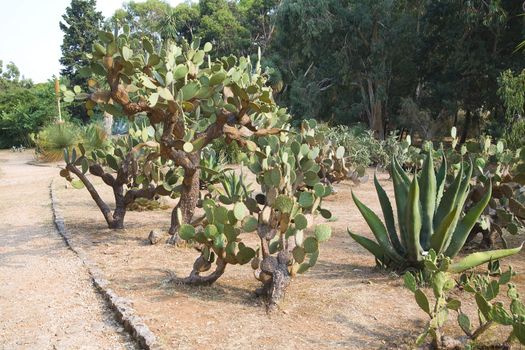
column 34, row 162
column 124, row 313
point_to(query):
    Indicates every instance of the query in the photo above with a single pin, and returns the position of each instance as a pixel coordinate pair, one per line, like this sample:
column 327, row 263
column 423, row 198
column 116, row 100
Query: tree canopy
column 384, row 63
column 80, row 25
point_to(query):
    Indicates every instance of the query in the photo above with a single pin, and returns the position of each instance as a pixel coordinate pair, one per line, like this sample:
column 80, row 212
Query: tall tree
column 258, row 16
column 10, row 77
column 80, row 25
column 144, row 18
column 220, row 25
column 465, row 45
column 340, row 59
column 234, row 27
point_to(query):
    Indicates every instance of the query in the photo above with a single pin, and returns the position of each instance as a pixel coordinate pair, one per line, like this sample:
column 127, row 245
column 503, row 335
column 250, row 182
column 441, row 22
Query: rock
column 451, row 343
column 155, row 236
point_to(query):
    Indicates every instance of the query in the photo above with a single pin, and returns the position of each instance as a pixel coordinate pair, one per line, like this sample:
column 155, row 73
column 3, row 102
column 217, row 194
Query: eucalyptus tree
column 341, row 59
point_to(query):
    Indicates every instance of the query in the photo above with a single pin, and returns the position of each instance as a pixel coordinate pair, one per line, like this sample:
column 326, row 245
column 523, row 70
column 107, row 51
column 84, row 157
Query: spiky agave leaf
column 401, row 187
column 414, row 222
column 378, row 229
column 428, row 200
column 388, row 215
column 466, row 224
column 476, row 259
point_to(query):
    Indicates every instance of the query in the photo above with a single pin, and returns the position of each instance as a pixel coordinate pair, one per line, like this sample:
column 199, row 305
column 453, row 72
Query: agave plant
column 212, row 168
column 429, row 217
column 234, row 188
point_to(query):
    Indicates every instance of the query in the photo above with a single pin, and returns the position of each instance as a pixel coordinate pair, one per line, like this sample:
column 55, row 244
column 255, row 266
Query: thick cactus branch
column 104, row 208
column 195, row 278
column 97, row 170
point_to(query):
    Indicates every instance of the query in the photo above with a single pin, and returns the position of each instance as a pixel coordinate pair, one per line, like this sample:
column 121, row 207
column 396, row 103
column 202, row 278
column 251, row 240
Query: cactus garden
column 278, row 174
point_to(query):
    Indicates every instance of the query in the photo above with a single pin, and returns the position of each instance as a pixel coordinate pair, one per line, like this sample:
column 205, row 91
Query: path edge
column 121, row 307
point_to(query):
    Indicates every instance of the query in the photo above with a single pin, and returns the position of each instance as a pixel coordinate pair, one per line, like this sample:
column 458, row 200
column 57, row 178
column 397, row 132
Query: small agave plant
column 428, row 217
column 234, row 188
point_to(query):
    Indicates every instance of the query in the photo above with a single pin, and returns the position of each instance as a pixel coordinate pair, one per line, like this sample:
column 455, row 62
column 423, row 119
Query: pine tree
column 80, row 25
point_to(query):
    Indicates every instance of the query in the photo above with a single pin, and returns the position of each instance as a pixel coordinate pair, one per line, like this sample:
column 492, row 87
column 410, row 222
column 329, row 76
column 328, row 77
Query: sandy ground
column 47, row 300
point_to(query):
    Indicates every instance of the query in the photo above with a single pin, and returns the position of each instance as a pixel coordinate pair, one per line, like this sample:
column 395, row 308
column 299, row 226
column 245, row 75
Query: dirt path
column 47, row 300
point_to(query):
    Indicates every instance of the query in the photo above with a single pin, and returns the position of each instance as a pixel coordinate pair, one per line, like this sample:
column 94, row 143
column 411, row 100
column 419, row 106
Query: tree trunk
column 377, row 121
column 374, row 109
column 187, row 203
column 108, row 123
column 466, row 127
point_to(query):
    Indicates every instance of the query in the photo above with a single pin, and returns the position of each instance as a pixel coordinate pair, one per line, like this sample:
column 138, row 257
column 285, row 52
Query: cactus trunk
column 201, row 265
column 104, row 208
column 274, row 288
column 114, row 219
column 189, row 197
column 120, row 208
column 277, row 288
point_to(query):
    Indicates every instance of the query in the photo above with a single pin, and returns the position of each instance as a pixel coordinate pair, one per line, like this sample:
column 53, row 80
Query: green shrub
column 212, row 167
column 94, row 137
column 24, row 111
column 360, row 144
column 234, row 188
column 231, row 153
column 52, row 139
column 515, row 135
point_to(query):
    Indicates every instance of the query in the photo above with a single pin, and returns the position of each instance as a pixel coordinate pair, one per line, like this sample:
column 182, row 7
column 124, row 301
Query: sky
column 30, row 35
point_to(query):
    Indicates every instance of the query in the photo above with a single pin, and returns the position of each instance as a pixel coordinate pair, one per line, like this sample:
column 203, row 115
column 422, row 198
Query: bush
column 362, row 149
column 231, row 153
column 51, row 141
column 515, row 136
column 24, row 111
column 94, row 137
column 212, row 168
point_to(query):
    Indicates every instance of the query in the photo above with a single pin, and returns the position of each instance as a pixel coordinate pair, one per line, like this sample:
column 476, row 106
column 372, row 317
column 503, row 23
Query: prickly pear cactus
column 129, row 165
column 330, row 156
column 217, row 239
column 188, row 97
column 281, row 215
column 486, row 290
column 504, row 171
